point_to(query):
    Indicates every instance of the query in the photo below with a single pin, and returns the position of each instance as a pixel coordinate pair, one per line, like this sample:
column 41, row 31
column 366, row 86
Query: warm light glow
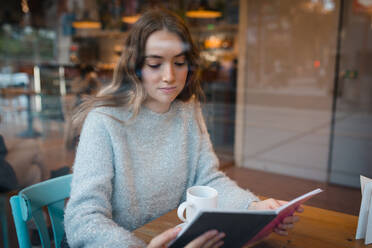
column 110, row 66
column 86, row 24
column 130, row 19
column 366, row 3
column 316, row 63
column 213, row 42
column 25, row 7
column 203, row 14
column 322, row 7
column 363, row 6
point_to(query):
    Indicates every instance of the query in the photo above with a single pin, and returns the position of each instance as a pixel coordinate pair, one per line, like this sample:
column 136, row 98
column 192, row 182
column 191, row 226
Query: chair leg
column 21, row 227
column 4, row 221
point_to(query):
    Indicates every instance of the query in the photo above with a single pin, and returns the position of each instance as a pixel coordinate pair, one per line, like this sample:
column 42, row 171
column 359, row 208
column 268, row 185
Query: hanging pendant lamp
column 203, row 12
column 130, row 19
column 86, row 22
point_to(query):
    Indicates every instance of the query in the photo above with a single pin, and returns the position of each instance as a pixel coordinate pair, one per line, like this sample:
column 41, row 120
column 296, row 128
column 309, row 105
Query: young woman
column 144, row 142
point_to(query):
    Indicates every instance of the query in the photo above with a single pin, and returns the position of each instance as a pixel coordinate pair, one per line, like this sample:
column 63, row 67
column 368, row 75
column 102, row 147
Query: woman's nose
column 168, row 73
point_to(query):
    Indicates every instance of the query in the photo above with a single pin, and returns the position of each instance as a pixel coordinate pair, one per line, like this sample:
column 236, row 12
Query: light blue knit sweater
column 126, row 175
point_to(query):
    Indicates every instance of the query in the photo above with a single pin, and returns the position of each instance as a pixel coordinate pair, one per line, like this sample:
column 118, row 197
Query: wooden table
column 318, row 228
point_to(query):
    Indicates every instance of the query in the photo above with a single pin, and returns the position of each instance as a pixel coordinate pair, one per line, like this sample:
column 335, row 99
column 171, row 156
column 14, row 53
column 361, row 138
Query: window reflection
column 280, row 56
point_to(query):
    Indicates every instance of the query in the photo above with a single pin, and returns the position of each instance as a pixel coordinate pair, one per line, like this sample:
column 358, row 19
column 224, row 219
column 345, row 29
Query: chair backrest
column 31, row 201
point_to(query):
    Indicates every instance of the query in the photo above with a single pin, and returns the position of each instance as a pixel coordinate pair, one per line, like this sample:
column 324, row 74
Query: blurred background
column 288, row 84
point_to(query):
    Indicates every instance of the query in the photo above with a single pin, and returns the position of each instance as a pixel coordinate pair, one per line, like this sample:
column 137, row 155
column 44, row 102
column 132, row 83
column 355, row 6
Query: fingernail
column 221, row 235
column 219, row 244
column 213, row 232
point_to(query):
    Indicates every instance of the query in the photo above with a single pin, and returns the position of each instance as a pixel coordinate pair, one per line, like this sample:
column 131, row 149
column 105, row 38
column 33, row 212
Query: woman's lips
column 168, row 90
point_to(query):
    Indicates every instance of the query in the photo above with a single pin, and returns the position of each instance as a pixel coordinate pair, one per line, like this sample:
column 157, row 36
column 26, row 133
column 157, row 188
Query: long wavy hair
column 126, row 88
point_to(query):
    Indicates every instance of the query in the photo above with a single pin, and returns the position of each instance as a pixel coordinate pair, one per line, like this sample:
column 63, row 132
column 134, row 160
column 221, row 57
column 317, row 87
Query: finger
column 280, row 232
column 252, row 206
column 276, row 204
column 214, row 240
column 202, row 239
column 219, row 244
column 272, row 203
column 281, row 202
column 291, row 219
column 165, row 237
column 299, row 209
column 285, row 226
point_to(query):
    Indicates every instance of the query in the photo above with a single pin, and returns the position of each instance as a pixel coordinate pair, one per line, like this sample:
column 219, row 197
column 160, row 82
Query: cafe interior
column 287, row 84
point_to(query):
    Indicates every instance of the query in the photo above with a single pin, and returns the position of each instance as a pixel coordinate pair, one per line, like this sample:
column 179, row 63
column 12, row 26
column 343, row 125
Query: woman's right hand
column 210, row 239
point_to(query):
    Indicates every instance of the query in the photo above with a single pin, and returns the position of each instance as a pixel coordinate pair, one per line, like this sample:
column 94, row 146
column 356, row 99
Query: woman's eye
column 180, row 63
column 154, row 65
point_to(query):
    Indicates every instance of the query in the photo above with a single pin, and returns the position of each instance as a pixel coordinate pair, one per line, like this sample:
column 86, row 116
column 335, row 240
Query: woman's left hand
column 271, row 204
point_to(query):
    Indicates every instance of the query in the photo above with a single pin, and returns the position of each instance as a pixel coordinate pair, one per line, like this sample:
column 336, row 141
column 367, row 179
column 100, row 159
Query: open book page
column 365, row 215
column 364, row 181
column 282, row 212
column 368, row 239
column 240, row 226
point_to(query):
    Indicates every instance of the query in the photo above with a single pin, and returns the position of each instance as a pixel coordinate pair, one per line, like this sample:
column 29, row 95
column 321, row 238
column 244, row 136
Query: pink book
column 282, row 212
column 240, row 227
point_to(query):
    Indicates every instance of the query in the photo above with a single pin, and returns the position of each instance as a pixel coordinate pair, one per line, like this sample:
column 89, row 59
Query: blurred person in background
column 21, row 163
column 87, row 84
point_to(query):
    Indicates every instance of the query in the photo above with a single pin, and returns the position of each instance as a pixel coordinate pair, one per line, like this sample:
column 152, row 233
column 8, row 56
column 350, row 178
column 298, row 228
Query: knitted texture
column 127, row 174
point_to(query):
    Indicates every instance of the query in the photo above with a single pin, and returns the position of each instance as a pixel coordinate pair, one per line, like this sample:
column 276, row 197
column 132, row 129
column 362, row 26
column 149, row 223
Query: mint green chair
column 29, row 204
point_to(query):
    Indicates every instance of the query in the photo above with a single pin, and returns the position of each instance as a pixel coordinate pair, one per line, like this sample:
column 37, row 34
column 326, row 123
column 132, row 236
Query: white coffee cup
column 197, row 198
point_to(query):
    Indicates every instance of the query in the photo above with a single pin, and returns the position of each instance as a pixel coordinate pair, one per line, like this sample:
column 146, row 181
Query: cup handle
column 181, row 209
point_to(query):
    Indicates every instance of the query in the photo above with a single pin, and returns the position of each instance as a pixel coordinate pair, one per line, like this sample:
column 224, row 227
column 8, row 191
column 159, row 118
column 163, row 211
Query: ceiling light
column 86, row 25
column 130, row 19
column 202, row 13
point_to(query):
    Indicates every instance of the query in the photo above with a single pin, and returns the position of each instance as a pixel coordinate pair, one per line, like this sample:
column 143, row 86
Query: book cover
column 240, row 227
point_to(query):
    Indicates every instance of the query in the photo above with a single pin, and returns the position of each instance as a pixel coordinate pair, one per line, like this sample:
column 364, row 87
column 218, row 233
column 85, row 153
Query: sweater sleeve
column 230, row 195
column 88, row 215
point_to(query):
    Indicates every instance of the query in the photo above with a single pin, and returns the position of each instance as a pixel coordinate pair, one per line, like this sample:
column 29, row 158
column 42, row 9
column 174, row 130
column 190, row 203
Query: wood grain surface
column 318, row 228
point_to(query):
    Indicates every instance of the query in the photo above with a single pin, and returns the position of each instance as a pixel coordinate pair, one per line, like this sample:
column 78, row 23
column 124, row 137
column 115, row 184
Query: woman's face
column 164, row 71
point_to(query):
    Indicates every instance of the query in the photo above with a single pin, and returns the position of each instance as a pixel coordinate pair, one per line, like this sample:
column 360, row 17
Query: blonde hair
column 126, row 88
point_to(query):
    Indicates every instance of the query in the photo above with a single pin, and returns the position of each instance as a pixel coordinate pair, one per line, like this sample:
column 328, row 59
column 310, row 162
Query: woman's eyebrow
column 153, row 56
column 160, row 57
